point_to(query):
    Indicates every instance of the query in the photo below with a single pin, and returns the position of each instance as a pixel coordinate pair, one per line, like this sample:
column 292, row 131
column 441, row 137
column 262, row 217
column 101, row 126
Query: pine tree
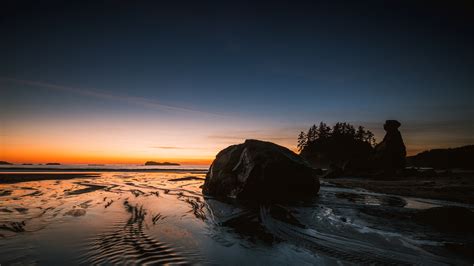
column 360, row 133
column 340, row 132
column 324, row 131
column 337, row 129
column 369, row 137
column 302, row 141
column 312, row 134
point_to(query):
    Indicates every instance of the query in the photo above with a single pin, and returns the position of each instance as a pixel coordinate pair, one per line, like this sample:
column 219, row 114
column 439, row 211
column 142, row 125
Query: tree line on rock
column 340, row 130
column 338, row 145
column 352, row 151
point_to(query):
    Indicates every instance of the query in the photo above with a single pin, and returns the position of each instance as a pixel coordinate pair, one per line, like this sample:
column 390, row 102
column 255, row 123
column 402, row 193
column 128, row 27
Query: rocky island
column 150, row 163
column 5, row 163
column 351, row 159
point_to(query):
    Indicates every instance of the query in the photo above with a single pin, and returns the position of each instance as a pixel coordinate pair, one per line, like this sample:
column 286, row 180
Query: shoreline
column 72, row 169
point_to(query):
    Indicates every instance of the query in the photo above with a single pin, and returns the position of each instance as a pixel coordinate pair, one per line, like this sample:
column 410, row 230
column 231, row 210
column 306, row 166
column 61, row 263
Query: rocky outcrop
column 260, row 171
column 460, row 157
column 158, row 163
column 390, row 153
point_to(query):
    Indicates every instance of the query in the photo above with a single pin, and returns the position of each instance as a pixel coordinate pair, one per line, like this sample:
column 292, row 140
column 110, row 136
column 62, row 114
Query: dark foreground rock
column 262, row 171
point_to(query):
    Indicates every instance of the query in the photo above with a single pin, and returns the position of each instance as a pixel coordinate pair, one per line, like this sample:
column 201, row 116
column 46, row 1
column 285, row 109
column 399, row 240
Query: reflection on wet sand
column 163, row 218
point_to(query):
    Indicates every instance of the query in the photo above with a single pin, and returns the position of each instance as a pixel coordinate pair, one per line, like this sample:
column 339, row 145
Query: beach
column 162, row 217
column 451, row 187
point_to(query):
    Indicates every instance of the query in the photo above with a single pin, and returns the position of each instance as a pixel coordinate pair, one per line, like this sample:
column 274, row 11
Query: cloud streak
column 177, row 148
column 140, row 101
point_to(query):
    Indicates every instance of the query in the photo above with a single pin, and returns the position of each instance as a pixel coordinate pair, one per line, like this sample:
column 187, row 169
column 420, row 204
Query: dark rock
column 341, row 150
column 333, row 171
column 76, row 212
column 462, row 249
column 427, row 173
column 318, row 171
column 447, row 218
column 5, row 163
column 158, row 163
column 390, row 153
column 461, row 157
column 53, row 164
column 186, row 178
column 262, row 171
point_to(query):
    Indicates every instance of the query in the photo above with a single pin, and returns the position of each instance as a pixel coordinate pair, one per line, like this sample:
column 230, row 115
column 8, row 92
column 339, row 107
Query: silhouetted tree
column 369, row 138
column 302, row 140
column 360, row 133
column 324, row 131
column 312, row 133
column 337, row 129
column 340, row 144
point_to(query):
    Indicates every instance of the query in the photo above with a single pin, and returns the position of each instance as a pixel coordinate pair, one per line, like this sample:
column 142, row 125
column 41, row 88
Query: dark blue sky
column 286, row 64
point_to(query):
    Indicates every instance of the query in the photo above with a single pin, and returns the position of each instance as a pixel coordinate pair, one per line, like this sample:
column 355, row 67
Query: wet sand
column 12, row 177
column 452, row 188
column 163, row 218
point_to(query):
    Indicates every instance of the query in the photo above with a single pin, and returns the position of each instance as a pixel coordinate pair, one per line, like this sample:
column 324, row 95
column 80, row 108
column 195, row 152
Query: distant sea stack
column 53, row 164
column 158, row 163
column 5, row 163
column 390, row 153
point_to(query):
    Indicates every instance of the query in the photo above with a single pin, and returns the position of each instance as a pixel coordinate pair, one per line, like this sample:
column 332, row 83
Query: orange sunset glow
column 236, row 132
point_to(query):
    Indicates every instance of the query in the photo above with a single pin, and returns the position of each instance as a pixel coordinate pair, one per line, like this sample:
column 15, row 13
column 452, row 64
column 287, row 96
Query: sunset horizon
column 66, row 141
column 237, row 132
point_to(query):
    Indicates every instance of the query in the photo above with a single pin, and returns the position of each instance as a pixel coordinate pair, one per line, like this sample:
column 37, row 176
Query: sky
column 131, row 81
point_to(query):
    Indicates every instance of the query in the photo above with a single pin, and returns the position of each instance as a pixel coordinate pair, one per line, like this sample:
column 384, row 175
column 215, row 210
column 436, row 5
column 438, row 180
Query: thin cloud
column 222, row 137
column 177, row 148
column 152, row 104
column 272, row 134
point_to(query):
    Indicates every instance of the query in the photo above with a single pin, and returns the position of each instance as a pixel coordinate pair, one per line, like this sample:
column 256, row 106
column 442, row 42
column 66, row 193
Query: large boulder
column 260, row 171
column 390, row 153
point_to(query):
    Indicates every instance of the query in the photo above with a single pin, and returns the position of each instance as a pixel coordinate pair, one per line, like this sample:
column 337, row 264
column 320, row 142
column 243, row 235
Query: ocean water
column 163, row 218
column 104, row 167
